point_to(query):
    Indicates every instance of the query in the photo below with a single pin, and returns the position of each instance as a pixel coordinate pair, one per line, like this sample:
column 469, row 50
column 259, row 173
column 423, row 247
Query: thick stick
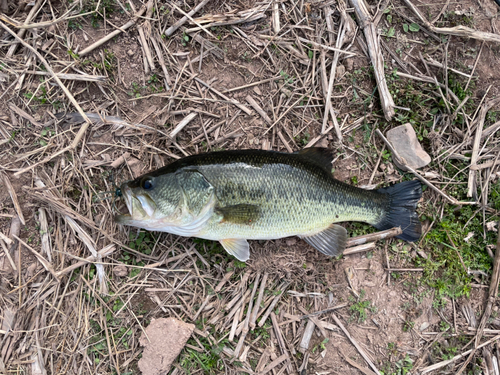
column 21, row 32
column 365, row 22
column 462, row 31
column 477, row 141
column 359, row 240
column 184, row 19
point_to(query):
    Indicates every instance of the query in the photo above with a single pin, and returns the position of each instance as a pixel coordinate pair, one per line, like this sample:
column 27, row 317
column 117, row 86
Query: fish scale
column 294, row 198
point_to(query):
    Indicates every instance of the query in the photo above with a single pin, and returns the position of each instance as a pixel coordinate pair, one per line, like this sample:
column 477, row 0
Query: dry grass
column 91, row 98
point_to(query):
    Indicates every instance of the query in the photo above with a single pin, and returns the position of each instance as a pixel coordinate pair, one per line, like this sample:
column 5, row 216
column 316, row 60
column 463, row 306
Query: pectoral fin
column 330, row 241
column 240, row 213
column 237, row 247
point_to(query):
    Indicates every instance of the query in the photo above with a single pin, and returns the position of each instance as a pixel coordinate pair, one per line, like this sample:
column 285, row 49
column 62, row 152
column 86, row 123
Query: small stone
column 424, row 326
column 349, row 64
column 340, row 71
column 130, row 52
column 431, row 175
column 164, row 340
column 404, row 140
column 322, row 143
column 491, row 226
column 422, row 254
column 120, row 271
column 469, row 236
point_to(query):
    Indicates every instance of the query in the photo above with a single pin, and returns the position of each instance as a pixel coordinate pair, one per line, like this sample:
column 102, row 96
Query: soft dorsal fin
column 330, row 241
column 238, row 247
column 319, row 156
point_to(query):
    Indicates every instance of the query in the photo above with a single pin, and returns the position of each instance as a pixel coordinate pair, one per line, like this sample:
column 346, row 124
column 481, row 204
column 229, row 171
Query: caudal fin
column 403, row 198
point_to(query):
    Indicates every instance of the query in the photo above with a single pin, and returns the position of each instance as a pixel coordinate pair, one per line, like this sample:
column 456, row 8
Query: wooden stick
column 462, row 31
column 233, row 101
column 495, row 279
column 274, row 363
column 489, row 164
column 13, row 197
column 477, row 140
column 316, row 313
column 21, row 32
column 247, row 319
column 194, row 21
column 256, row 308
column 276, row 17
column 259, row 109
column 90, row 259
column 359, row 248
column 184, row 19
column 143, row 36
column 272, row 305
column 279, row 337
column 306, row 337
column 360, row 349
column 365, row 22
column 186, row 120
column 45, row 263
column 438, row 365
column 73, row 77
column 393, row 232
column 111, row 35
column 328, row 105
column 161, row 62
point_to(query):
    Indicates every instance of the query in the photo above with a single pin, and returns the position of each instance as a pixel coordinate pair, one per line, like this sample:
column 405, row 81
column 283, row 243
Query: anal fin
column 330, row 241
column 238, row 247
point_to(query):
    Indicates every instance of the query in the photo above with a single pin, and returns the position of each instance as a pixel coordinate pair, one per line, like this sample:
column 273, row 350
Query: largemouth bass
column 235, row 196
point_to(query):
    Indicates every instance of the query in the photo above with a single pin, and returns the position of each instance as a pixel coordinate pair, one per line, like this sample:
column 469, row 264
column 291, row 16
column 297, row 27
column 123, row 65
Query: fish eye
column 147, row 183
column 118, row 192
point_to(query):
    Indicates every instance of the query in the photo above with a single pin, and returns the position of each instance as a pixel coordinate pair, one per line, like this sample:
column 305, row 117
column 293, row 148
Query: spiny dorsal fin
column 330, row 241
column 319, row 156
column 239, row 213
column 238, row 247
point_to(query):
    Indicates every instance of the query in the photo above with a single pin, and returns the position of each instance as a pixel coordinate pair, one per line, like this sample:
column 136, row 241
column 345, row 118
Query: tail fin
column 403, row 198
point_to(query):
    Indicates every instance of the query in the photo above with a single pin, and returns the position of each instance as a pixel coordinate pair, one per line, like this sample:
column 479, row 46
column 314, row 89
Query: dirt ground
column 77, row 290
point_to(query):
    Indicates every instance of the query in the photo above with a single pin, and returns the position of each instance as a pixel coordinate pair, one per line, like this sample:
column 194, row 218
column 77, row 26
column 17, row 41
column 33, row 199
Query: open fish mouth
column 134, row 207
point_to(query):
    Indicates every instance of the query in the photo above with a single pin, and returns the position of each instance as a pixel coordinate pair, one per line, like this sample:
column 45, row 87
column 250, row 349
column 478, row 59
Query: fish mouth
column 136, row 211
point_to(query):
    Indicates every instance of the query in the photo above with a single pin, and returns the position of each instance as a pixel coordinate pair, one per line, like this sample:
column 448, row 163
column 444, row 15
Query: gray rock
column 405, row 142
column 164, row 340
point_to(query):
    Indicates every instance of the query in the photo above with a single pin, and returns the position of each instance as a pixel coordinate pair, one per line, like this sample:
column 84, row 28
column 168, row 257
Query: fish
column 240, row 195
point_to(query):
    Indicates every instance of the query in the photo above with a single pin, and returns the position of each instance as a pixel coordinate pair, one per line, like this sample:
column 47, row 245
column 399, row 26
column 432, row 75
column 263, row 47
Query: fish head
column 153, row 202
